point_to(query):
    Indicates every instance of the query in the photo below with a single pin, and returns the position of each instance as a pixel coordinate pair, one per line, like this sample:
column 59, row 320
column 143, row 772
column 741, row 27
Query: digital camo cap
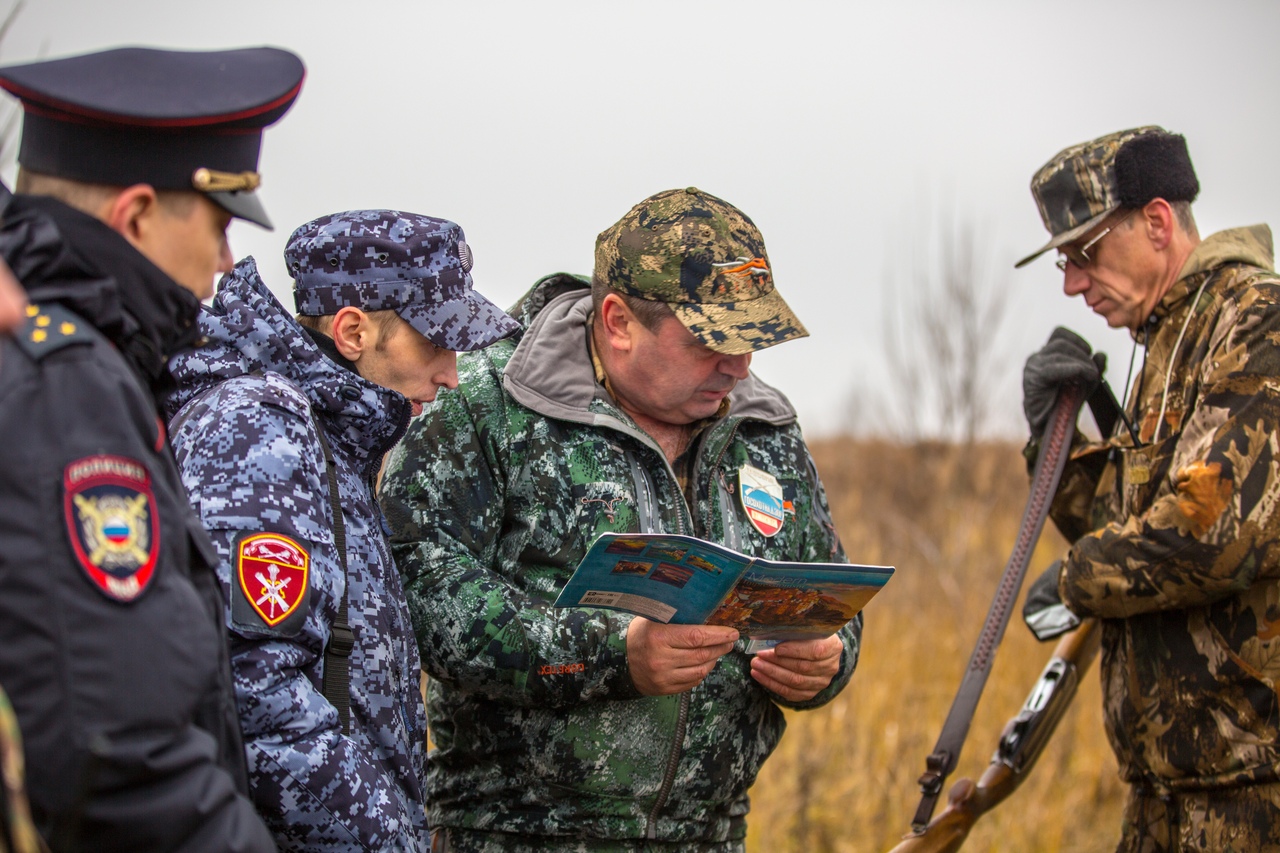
column 377, row 260
column 706, row 260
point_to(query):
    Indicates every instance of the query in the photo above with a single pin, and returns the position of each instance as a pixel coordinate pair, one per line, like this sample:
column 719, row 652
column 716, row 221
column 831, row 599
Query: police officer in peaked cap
column 112, row 640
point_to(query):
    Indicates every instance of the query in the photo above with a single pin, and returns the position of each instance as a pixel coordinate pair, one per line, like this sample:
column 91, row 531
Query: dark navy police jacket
column 112, row 648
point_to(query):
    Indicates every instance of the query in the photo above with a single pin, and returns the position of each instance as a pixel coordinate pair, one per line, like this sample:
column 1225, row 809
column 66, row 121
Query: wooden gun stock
column 1021, row 743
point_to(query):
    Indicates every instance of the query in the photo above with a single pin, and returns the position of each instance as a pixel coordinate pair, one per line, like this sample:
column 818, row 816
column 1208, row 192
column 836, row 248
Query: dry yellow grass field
column 844, row 777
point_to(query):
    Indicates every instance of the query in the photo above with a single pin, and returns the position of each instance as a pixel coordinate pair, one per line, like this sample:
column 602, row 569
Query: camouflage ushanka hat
column 705, row 259
column 379, row 260
column 1081, row 185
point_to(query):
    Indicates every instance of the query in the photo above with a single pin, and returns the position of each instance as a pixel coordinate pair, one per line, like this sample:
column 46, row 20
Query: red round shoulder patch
column 110, row 510
column 271, row 570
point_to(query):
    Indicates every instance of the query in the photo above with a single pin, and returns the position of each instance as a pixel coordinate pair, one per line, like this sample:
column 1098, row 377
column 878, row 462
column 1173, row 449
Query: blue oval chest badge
column 761, row 496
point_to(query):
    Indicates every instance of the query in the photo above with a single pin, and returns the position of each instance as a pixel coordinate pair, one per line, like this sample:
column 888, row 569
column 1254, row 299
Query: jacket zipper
column 412, row 681
column 682, row 715
column 669, row 774
column 726, row 510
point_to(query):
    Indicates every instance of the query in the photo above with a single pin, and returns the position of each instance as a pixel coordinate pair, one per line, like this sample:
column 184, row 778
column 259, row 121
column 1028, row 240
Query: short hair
column 384, row 320
column 649, row 312
column 89, row 197
column 1181, row 213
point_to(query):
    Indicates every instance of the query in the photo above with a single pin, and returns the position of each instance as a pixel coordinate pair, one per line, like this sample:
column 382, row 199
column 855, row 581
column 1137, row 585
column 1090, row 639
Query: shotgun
column 1021, row 743
column 1055, row 446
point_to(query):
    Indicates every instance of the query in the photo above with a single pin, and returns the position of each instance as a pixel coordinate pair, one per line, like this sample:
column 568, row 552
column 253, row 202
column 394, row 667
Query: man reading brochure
column 624, row 405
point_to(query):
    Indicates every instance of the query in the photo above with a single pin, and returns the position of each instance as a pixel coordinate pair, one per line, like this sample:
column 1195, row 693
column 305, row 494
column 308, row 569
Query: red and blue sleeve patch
column 110, row 510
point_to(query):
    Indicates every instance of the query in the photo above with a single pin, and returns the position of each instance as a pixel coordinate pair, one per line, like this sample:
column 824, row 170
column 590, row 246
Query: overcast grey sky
column 842, row 128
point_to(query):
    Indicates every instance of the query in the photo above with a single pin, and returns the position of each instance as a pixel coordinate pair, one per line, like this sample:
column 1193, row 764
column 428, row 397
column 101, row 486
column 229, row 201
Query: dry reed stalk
column 844, row 778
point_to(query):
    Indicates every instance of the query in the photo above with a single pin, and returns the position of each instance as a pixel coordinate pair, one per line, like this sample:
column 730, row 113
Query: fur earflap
column 1155, row 165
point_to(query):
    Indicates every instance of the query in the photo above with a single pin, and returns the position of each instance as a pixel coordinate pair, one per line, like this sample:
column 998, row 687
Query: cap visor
column 461, row 325
column 1065, row 237
column 243, row 205
column 736, row 328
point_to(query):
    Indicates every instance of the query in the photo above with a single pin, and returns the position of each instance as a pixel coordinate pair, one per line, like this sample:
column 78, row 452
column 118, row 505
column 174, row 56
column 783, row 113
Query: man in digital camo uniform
column 384, row 299
column 625, row 405
column 1175, row 534
column 112, row 645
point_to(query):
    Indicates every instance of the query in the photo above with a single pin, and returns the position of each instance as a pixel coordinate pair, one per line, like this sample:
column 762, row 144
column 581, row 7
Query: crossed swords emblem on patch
column 272, row 589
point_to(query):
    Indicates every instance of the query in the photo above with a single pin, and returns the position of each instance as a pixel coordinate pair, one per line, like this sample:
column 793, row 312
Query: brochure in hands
column 690, row 581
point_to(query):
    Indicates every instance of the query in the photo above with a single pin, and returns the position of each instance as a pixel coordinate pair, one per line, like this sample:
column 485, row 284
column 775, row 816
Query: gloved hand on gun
column 1066, row 359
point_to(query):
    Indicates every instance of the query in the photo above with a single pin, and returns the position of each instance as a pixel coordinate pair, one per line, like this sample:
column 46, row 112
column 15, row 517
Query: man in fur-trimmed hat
column 1173, row 522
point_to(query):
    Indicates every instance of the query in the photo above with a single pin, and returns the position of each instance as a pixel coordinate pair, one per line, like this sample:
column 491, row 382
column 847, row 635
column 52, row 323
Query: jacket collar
column 248, row 331
column 551, row 371
column 65, row 256
column 1250, row 245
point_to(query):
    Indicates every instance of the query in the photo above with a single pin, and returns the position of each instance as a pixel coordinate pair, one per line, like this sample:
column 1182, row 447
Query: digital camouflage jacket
column 1175, row 543
column 493, row 497
column 244, row 428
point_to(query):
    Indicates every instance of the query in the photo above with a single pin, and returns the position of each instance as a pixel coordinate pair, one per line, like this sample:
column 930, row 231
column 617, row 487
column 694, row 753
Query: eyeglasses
column 1080, row 257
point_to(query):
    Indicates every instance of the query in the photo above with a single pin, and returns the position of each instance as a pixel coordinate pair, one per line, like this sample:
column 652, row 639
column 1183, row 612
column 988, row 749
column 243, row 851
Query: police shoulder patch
column 110, row 510
column 269, row 584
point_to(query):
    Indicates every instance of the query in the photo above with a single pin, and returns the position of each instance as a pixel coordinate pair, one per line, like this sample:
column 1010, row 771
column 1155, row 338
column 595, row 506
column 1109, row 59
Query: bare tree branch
column 940, row 333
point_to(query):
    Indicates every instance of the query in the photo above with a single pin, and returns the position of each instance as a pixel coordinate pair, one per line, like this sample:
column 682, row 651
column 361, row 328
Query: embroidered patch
column 761, row 496
column 742, row 279
column 271, row 574
column 110, row 510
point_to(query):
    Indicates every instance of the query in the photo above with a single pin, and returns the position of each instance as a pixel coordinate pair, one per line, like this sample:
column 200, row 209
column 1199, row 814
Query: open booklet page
column 690, row 581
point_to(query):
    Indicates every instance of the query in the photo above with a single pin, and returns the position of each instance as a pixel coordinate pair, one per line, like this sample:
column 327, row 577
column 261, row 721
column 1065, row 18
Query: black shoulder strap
column 337, row 672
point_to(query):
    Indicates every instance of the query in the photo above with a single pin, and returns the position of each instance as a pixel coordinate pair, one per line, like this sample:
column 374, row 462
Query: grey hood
column 551, row 372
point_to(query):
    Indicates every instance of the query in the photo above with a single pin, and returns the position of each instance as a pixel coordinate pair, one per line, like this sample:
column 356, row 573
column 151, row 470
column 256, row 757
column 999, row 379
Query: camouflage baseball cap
column 1083, row 184
column 378, row 260
column 705, row 259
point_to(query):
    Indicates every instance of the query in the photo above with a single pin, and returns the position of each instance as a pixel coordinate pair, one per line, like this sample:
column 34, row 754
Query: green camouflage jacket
column 1175, row 542
column 493, row 496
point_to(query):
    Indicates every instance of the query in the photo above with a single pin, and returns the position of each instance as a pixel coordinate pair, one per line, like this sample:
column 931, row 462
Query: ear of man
column 618, row 323
column 1160, row 223
column 353, row 332
column 131, row 213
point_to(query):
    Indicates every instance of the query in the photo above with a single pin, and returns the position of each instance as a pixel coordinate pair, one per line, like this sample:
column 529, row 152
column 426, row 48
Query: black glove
column 1064, row 360
column 1043, row 610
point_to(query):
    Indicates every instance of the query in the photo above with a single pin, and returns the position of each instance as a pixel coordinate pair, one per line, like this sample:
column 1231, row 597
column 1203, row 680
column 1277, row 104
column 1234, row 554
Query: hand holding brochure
column 689, row 581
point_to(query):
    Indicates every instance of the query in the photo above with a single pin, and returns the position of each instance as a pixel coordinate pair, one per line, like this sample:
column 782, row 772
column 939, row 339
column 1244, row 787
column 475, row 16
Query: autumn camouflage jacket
column 493, row 497
column 1177, row 549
